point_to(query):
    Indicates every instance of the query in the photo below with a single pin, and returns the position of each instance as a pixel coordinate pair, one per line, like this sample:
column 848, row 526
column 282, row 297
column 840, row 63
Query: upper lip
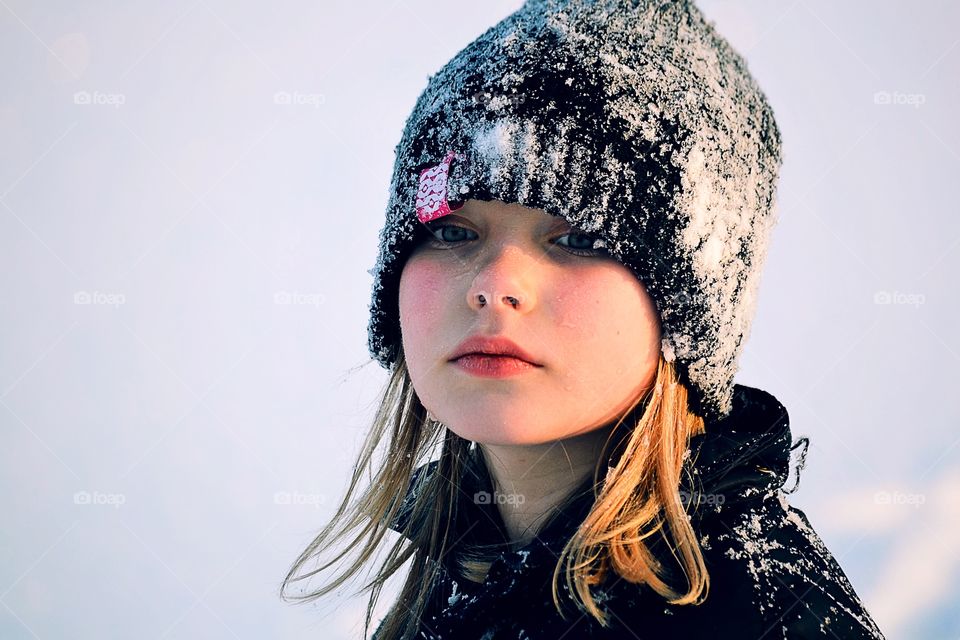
column 492, row 345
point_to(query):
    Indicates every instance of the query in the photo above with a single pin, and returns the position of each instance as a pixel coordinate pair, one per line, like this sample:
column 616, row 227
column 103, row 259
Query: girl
column 578, row 216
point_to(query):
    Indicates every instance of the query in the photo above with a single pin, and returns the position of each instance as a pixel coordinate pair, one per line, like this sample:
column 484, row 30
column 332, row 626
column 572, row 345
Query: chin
column 493, row 434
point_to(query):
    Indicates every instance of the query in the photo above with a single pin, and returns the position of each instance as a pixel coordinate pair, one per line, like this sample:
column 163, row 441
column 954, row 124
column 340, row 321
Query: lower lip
column 493, row 366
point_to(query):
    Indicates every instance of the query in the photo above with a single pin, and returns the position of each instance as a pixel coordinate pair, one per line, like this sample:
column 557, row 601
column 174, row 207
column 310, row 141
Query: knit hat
column 635, row 122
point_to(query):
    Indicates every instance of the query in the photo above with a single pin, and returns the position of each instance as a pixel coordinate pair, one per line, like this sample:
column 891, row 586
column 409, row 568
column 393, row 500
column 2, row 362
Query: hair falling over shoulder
column 637, row 491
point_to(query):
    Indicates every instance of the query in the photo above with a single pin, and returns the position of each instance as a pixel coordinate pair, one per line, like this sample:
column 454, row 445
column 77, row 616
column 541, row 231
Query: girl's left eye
column 586, row 248
column 589, row 248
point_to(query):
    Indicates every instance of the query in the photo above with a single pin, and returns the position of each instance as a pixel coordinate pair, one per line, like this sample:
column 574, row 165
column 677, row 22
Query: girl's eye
column 437, row 233
column 438, row 237
column 586, row 248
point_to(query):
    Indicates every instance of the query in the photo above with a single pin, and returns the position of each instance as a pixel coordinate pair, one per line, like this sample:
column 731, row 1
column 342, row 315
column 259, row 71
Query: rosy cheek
column 576, row 307
column 422, row 295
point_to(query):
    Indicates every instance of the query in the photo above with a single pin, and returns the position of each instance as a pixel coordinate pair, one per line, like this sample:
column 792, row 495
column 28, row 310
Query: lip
column 486, row 365
column 492, row 346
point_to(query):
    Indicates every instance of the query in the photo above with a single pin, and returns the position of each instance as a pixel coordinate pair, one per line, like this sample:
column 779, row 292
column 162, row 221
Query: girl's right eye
column 436, row 234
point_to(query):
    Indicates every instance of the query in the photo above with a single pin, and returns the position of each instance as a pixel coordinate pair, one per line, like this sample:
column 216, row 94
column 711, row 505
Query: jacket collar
column 745, row 453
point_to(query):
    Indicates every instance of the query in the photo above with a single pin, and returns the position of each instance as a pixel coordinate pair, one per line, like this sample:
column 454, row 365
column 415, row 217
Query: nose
column 504, row 281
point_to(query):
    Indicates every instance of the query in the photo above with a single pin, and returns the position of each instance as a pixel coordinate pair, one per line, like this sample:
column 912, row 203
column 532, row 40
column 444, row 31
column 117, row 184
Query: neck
column 531, row 480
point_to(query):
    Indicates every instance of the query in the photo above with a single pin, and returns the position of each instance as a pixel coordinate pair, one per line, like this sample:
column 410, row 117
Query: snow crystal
column 454, row 597
column 492, row 143
column 667, row 349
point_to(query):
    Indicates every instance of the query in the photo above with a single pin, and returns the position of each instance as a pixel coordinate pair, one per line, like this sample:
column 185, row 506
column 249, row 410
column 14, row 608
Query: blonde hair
column 635, row 497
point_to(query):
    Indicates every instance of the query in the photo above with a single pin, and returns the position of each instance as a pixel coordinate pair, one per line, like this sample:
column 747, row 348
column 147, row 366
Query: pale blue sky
column 159, row 204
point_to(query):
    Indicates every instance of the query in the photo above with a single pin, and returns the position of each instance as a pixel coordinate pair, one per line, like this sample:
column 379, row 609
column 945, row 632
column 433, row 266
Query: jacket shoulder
column 797, row 586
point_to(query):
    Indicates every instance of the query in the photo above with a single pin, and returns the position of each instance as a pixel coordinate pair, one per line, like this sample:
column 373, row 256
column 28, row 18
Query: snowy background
column 183, row 369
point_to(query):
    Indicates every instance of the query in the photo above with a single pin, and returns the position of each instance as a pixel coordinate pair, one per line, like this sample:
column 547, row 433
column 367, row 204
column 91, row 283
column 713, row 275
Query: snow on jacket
column 771, row 576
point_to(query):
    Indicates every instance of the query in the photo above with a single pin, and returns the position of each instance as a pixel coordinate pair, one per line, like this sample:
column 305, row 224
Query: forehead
column 495, row 211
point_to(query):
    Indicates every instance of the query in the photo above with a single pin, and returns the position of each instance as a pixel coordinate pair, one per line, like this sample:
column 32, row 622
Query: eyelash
column 432, row 229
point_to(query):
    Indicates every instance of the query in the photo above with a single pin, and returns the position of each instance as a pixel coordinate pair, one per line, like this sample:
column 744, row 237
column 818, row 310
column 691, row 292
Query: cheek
column 608, row 323
column 576, row 312
column 421, row 293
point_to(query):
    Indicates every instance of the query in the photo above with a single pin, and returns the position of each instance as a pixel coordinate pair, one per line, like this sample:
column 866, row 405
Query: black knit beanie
column 635, row 122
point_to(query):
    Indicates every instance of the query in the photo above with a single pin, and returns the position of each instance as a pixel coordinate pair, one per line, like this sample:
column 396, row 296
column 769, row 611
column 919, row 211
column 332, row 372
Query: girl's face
column 581, row 315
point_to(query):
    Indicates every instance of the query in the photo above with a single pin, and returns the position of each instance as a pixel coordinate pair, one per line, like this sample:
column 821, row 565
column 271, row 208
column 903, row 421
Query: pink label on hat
column 432, row 200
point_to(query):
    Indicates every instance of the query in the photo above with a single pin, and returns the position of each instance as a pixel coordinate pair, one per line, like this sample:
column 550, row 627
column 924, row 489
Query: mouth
column 491, row 347
column 489, row 365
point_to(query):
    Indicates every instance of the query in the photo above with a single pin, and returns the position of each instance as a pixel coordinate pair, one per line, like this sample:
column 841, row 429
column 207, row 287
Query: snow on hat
column 635, row 122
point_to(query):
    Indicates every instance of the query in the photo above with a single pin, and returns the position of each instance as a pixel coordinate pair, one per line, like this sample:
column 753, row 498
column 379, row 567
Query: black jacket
column 771, row 576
